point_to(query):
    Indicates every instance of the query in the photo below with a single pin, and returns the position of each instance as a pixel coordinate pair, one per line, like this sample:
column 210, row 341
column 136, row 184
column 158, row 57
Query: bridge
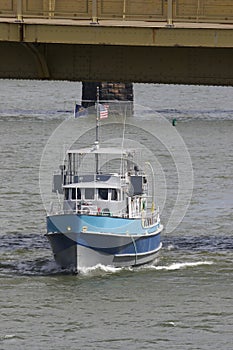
column 152, row 41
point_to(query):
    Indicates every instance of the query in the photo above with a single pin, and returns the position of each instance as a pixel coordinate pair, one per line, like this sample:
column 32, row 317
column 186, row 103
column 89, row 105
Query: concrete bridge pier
column 108, row 92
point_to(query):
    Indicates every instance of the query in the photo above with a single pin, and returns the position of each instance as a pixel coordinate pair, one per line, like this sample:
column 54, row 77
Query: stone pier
column 108, row 92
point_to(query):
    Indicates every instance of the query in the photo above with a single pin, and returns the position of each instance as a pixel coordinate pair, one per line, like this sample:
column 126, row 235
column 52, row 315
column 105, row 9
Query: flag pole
column 97, row 131
column 97, row 115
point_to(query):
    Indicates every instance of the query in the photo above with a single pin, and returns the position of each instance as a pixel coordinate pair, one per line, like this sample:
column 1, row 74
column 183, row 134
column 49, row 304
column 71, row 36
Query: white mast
column 97, row 132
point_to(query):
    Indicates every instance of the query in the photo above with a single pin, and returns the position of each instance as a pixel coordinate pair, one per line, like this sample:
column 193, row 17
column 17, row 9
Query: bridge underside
column 75, row 62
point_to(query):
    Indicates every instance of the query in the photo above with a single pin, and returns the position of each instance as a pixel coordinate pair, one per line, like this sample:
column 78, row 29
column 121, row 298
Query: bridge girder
column 148, row 54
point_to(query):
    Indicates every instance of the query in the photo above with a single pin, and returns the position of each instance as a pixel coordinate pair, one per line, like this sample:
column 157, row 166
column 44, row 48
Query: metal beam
column 9, row 32
column 188, row 53
column 123, row 34
column 169, row 13
column 177, row 65
column 19, row 10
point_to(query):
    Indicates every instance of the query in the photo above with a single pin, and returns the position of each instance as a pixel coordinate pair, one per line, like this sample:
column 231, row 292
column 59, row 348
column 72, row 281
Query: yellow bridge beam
column 115, row 40
column 117, row 33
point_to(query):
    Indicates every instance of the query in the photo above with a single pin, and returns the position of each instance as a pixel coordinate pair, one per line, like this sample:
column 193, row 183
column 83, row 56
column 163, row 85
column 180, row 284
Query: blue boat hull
column 82, row 241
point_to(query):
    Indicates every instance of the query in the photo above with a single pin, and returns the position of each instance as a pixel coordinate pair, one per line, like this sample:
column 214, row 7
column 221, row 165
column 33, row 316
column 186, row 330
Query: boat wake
column 178, row 266
column 46, row 267
column 29, row 255
column 102, row 270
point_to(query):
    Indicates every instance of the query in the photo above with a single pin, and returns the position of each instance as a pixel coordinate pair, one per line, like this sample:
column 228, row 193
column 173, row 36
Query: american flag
column 103, row 111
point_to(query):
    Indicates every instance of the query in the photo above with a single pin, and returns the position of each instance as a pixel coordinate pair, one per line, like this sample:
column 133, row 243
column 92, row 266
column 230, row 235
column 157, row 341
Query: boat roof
column 92, row 185
column 102, row 150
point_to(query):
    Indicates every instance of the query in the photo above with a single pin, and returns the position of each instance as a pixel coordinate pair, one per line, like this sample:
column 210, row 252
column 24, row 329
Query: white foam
column 9, row 336
column 178, row 266
column 99, row 268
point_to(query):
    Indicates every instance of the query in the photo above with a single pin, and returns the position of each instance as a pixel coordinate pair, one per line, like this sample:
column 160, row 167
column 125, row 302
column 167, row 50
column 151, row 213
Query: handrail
column 168, row 11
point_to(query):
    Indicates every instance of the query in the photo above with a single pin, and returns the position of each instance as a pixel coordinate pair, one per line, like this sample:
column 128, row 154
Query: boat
column 107, row 214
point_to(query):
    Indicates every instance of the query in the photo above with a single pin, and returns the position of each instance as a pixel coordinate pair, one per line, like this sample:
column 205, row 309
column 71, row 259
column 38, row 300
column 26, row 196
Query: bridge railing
column 145, row 10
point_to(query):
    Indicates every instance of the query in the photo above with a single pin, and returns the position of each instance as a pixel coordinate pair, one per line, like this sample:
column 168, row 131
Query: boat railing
column 88, row 208
column 55, row 208
column 150, row 218
column 94, row 209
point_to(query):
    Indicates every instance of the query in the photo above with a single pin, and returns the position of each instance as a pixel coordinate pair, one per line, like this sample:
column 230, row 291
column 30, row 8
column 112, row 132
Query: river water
column 185, row 300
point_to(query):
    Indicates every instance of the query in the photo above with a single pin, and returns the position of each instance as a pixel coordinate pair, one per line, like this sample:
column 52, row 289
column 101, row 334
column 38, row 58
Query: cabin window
column 66, row 194
column 78, row 193
column 103, row 193
column 73, row 193
column 113, row 194
column 89, row 193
